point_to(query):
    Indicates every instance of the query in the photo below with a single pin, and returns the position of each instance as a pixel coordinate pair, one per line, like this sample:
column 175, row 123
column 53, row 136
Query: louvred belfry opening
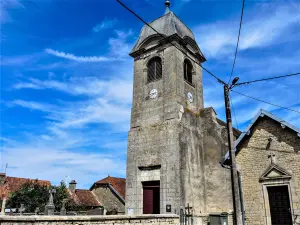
column 188, row 71
column 151, row 197
column 154, row 69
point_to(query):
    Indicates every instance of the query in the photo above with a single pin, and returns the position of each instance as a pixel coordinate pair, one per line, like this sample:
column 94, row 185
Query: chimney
column 2, row 178
column 72, row 185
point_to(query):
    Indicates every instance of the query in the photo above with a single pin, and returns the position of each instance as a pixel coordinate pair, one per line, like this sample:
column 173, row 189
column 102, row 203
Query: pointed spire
column 167, row 4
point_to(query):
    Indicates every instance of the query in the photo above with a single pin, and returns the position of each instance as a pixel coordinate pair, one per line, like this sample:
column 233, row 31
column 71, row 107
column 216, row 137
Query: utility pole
column 234, row 174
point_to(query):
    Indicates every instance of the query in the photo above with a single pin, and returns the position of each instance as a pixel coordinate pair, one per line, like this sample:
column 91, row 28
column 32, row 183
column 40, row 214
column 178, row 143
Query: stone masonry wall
column 90, row 220
column 109, row 200
column 253, row 160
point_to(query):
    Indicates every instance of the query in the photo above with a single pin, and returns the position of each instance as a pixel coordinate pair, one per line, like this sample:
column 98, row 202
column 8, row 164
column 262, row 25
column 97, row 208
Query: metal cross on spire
column 167, row 4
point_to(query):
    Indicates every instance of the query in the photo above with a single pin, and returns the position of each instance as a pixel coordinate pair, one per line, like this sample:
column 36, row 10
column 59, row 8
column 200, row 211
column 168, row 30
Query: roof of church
column 166, row 25
column 13, row 184
column 260, row 114
column 118, row 184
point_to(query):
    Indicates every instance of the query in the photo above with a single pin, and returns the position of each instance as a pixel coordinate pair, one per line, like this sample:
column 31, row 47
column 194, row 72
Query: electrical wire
column 266, row 102
column 218, row 79
column 238, row 40
column 264, row 79
column 166, row 38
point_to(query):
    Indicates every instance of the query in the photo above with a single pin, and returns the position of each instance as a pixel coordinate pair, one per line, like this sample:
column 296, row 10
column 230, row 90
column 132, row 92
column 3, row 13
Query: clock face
column 190, row 97
column 153, row 93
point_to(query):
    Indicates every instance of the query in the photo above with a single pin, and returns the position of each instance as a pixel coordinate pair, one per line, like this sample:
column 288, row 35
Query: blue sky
column 66, row 77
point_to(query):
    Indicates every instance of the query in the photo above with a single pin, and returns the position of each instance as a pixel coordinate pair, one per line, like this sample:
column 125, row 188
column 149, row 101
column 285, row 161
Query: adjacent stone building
column 174, row 144
column 111, row 192
column 84, row 199
column 268, row 159
column 107, row 193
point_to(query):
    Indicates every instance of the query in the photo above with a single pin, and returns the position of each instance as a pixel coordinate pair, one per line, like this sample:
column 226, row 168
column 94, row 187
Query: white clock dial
column 190, row 97
column 153, row 93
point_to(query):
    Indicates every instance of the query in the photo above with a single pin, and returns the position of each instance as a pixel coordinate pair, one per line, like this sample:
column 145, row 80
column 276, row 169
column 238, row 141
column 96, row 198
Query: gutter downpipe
column 242, row 197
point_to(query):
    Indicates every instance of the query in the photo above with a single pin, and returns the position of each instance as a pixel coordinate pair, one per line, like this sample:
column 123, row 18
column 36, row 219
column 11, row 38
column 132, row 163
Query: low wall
column 90, row 220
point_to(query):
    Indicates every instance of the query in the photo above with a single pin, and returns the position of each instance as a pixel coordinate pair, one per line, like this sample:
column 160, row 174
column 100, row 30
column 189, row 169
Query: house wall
column 90, row 220
column 108, row 199
column 253, row 160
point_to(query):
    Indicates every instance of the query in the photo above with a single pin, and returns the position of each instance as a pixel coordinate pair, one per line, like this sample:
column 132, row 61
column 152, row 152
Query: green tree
column 34, row 195
column 60, row 194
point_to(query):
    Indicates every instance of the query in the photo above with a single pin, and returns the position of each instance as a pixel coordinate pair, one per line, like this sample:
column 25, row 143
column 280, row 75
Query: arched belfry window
column 188, row 71
column 154, row 69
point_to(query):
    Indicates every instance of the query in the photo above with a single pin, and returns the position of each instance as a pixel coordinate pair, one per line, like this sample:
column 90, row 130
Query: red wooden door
column 151, row 197
column 147, row 200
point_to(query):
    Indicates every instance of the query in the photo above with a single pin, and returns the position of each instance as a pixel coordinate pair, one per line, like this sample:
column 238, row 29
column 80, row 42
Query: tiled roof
column 13, row 184
column 84, row 197
column 119, row 184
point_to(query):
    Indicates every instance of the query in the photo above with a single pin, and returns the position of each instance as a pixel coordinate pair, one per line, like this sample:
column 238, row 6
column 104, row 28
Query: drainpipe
column 242, row 197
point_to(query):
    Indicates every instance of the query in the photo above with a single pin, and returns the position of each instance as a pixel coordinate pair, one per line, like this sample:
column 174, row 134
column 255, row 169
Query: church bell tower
column 165, row 142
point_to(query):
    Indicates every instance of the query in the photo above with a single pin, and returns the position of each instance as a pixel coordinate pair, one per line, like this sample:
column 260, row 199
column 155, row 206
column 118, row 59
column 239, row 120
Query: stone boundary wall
column 91, row 220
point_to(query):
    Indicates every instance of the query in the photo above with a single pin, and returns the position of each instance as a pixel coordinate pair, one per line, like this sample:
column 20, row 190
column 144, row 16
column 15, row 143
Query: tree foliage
column 33, row 195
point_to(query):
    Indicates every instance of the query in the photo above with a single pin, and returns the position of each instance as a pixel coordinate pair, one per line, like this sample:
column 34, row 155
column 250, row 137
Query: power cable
column 167, row 39
column 266, row 102
column 218, row 79
column 238, row 41
column 264, row 79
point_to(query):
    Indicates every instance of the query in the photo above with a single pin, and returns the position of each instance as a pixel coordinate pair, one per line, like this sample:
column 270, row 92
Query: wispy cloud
column 119, row 45
column 115, row 90
column 5, row 6
column 19, row 60
column 55, row 161
column 105, row 24
column 71, row 56
column 219, row 39
column 32, row 105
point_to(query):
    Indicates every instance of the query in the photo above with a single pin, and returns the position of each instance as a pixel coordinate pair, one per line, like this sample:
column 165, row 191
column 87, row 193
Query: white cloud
column 71, row 56
column 114, row 90
column 32, row 105
column 20, row 60
column 260, row 29
column 5, row 6
column 55, row 162
column 105, row 24
column 118, row 45
column 65, row 144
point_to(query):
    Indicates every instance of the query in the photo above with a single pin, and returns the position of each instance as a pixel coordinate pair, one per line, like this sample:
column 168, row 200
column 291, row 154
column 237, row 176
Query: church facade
column 268, row 159
column 174, row 143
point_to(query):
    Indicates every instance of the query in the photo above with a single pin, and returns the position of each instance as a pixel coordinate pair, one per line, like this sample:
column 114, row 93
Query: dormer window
column 154, row 69
column 188, row 71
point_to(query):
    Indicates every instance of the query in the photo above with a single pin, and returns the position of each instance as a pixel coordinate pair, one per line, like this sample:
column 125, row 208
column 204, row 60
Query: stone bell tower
column 165, row 157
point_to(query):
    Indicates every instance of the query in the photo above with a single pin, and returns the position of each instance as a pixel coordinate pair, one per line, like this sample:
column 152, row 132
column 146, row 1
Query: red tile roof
column 119, row 184
column 13, row 184
column 84, row 198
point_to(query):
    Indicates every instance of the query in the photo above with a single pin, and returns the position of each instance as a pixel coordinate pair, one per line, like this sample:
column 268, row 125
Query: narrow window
column 188, row 71
column 154, row 69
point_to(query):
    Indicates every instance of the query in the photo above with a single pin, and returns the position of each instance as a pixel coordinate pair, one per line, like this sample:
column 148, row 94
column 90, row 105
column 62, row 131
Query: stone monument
column 49, row 208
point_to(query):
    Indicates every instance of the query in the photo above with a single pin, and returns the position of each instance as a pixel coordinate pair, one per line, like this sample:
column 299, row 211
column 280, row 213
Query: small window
column 188, row 71
column 154, row 69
